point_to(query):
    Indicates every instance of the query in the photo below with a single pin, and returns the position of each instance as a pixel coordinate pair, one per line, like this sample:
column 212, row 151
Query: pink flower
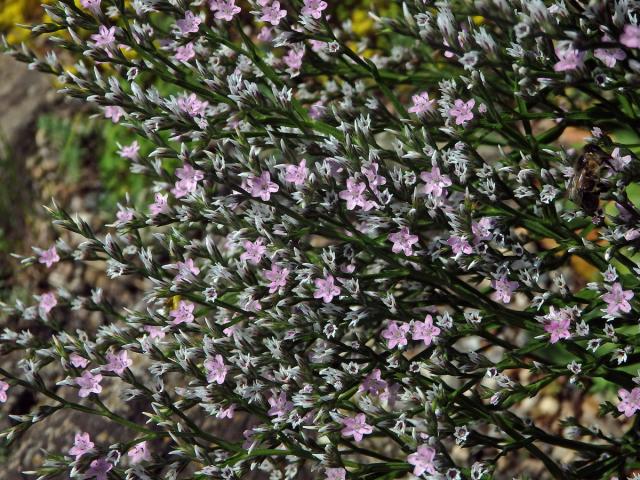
column 117, row 362
column 317, row 109
column 631, row 36
column 49, row 257
column 569, row 59
column 130, row 151
column 335, row 474
column 91, row 4
column 293, row 58
column 373, row 383
column 114, row 113
column 99, row 469
column 297, row 174
column 504, row 288
column 375, row 180
column 609, row 56
column 482, row 229
column 558, row 327
column 47, row 302
column 254, row 251
column 226, row 412
column 186, row 269
column 422, row 461
column 124, row 215
column 105, row 36
column 154, row 331
column 216, row 369
column 183, row 314
column 265, row 34
column 354, row 195
column 89, row 383
column 356, row 427
column 262, row 186
column 78, row 361
column 189, row 178
column 459, row 245
column 619, row 162
column 160, row 204
column 224, row 9
column 630, row 401
column 4, row 386
column 326, row 289
column 139, row 453
column 461, row 111
column 192, row 105
column 396, row 334
column 82, row 444
column 279, row 405
column 435, row 183
column 189, row 24
column 184, row 53
column 421, row 104
column 425, row 331
column 617, row 300
column 403, row 241
column 313, row 8
column 278, row 277
column 272, row 13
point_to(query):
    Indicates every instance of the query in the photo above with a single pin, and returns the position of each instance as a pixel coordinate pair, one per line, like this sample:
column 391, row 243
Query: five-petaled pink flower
column 105, row 36
column 396, row 334
column 422, row 460
column 459, row 245
column 421, row 104
column 113, row 112
column 183, row 314
column 354, row 195
column 609, row 56
column 4, row 386
column 425, row 331
column 373, row 383
column 81, row 445
column 49, row 257
column 313, row 8
column 78, row 361
column 89, row 383
column 224, row 9
column 139, row 453
column 356, row 427
column 326, row 289
column 262, row 186
column 293, row 58
column 188, row 180
column 335, row 474
column 186, row 269
column 117, row 362
column 629, row 401
column 216, row 369
column 279, row 405
column 271, row 13
column 435, row 183
column 130, row 151
column 253, row 251
column 99, row 469
column 297, row 174
column 277, row 276
column 184, row 53
column 403, row 241
column 91, row 4
column 631, row 36
column 192, row 105
column 558, row 326
column 462, row 111
column 47, row 302
column 504, row 288
column 189, row 24
column 617, row 299
column 160, row 204
column 568, row 59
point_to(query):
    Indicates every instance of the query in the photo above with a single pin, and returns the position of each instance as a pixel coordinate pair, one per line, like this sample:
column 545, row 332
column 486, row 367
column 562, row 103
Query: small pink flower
column 226, row 412
column 279, row 405
column 189, row 178
column 618, row 161
column 189, row 24
column 224, row 9
column 82, row 444
column 462, row 111
column 354, row 195
column 317, row 110
column 49, row 257
column 115, row 113
column 356, row 427
column 396, row 334
column 272, row 13
column 89, row 383
column 569, row 59
column 186, row 269
column 184, row 53
column 105, row 36
column 482, row 230
column 373, row 383
column 265, row 34
column 609, row 56
column 117, row 362
column 313, row 8
column 160, row 204
column 183, row 314
column 278, row 277
column 617, row 300
column 435, row 183
column 297, row 174
column 459, row 245
column 326, row 289
column 192, row 105
column 124, row 215
column 422, row 461
column 262, row 186
column 425, row 331
column 93, row 5
column 558, row 327
column 631, row 36
column 504, row 288
column 629, row 401
column 4, row 386
column 47, row 302
column 403, row 241
column 99, row 469
column 154, row 331
column 139, row 453
column 421, row 104
column 293, row 58
column 130, row 151
column 253, row 251
column 335, row 474
column 78, row 361
column 216, row 369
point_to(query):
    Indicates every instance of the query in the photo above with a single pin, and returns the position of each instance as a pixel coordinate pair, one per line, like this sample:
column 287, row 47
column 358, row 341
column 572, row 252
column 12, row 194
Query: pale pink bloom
column 99, row 469
column 631, row 36
column 105, row 36
column 89, row 383
column 317, row 46
column 216, row 369
column 279, row 405
column 375, row 180
column 482, row 229
column 421, row 104
column 124, row 215
column 356, row 427
column 617, row 300
column 272, row 13
column 609, row 56
column 192, row 105
column 425, row 331
column 4, row 386
column 82, row 444
column 297, row 174
column 262, row 186
column 117, row 362
column 265, row 34
column 558, row 327
column 47, row 302
column 326, row 289
column 78, row 361
column 186, row 269
column 293, row 58
column 130, row 151
column 277, row 276
column 459, row 245
column 632, row 234
column 373, row 383
column 254, row 251
column 226, row 412
column 335, row 474
column 184, row 53
column 91, row 4
column 224, row 9
column 569, row 59
column 313, row 8
column 462, row 111
column 629, row 401
column 396, row 334
column 189, row 178
column 115, row 113
column 354, row 195
column 49, row 257
column 139, row 453
column 403, row 241
column 618, row 161
column 422, row 460
column 189, row 24
column 154, row 331
column 183, row 314
column 435, row 183
column 160, row 204
column 504, row 288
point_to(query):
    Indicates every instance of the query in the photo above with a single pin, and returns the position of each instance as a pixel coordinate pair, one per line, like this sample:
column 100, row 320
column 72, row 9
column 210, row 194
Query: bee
column 586, row 185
